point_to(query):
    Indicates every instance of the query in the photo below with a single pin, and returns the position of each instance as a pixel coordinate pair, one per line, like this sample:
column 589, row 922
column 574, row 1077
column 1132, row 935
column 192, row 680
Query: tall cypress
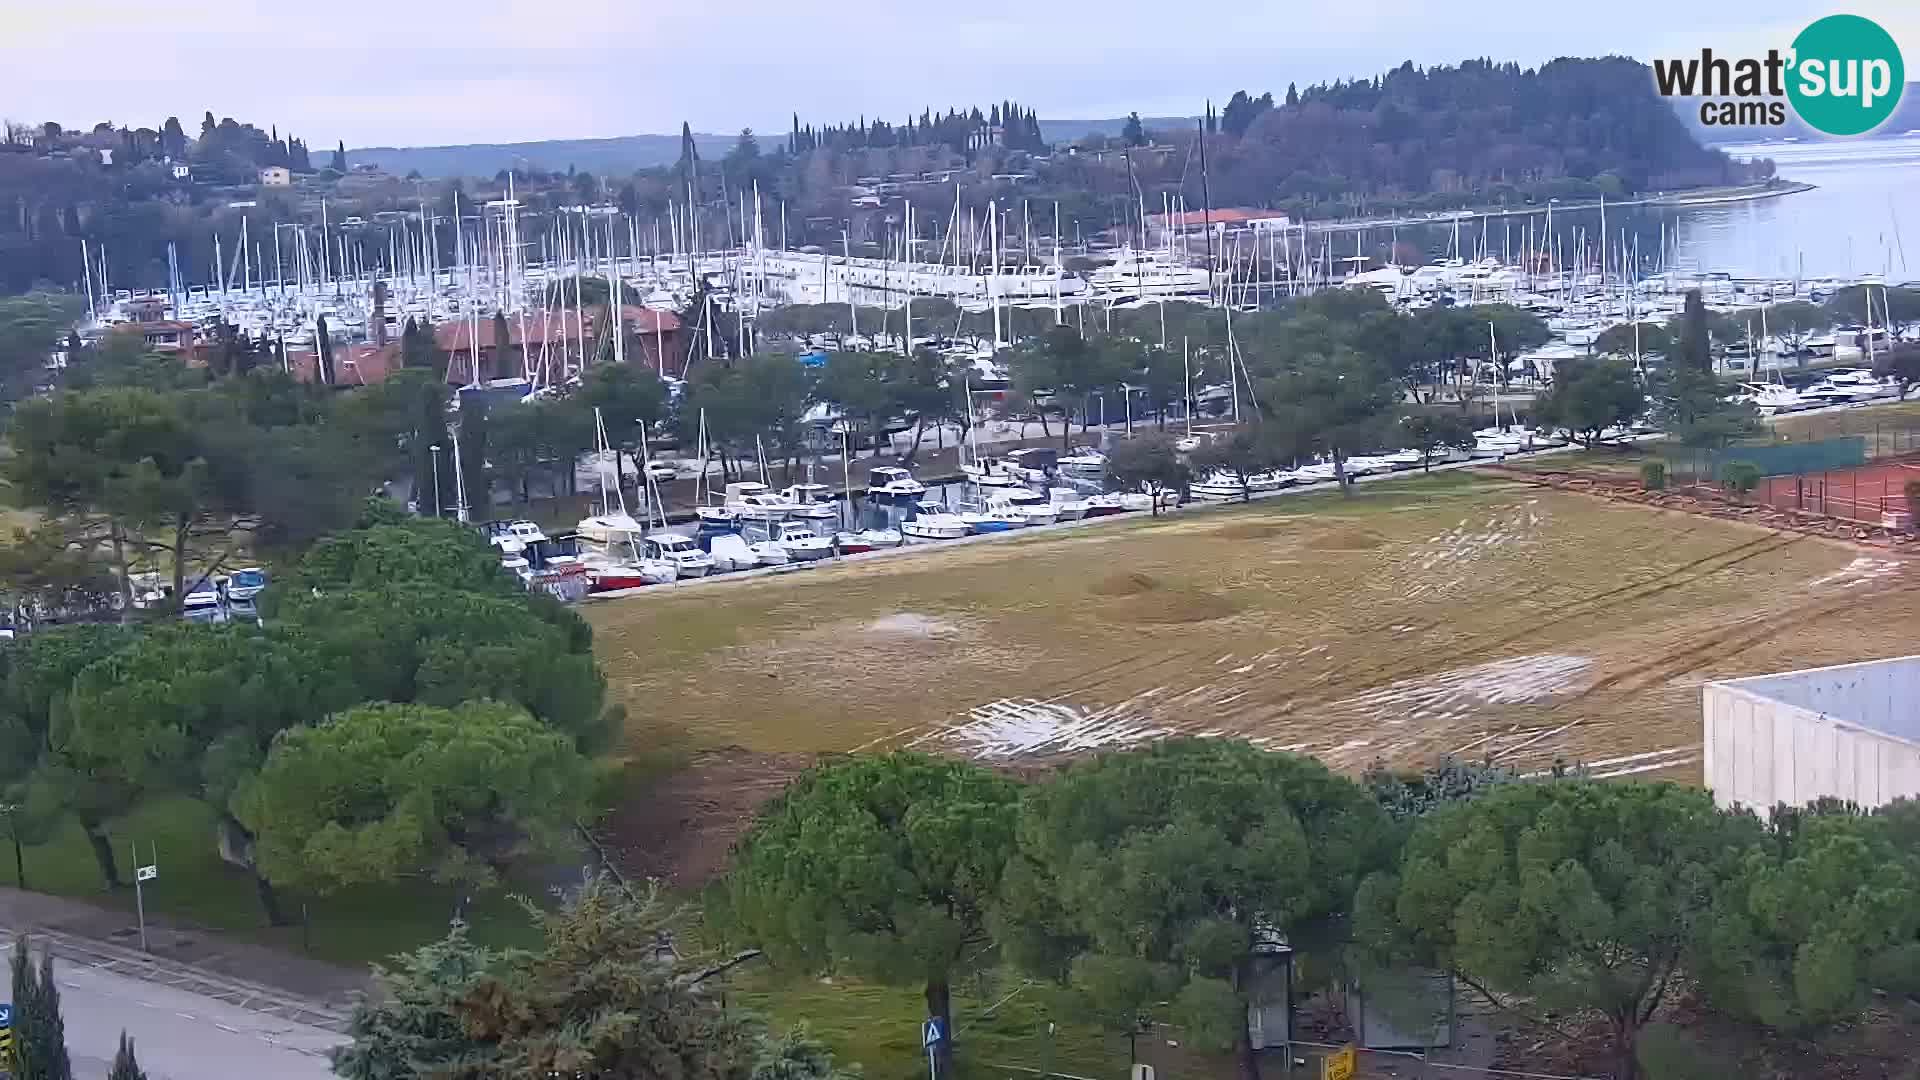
column 39, row 1033
column 124, row 1065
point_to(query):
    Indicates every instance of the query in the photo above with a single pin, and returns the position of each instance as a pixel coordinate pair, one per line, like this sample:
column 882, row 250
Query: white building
column 1851, row 732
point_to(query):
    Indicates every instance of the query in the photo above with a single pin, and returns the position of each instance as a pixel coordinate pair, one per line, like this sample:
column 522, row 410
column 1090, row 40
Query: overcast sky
column 389, row 72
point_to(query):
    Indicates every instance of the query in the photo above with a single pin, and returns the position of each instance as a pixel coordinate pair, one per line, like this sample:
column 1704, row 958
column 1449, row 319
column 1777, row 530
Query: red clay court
column 1861, row 494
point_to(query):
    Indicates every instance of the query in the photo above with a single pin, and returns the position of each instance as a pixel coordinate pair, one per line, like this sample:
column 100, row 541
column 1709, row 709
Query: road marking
column 187, row 1016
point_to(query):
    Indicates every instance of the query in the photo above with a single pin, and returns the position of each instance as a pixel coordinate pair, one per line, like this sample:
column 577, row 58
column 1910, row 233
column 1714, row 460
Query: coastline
column 1682, row 199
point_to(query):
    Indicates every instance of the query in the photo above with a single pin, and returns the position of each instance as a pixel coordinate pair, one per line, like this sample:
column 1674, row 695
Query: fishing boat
column 991, row 472
column 940, row 526
column 801, row 543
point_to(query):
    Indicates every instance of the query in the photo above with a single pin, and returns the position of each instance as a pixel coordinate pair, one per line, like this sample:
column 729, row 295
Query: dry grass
column 1451, row 617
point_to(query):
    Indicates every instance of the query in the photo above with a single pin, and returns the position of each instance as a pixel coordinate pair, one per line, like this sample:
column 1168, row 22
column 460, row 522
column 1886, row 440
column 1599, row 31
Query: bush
column 1653, row 476
column 1740, row 477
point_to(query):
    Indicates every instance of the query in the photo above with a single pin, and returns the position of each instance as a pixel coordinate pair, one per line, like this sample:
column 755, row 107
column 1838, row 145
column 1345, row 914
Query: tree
column 1895, row 308
column 1147, row 463
column 1553, row 898
column 1813, row 919
column 125, row 1067
column 1335, row 404
column 339, row 164
column 1692, row 344
column 1693, row 406
column 595, row 999
column 39, row 1032
column 1634, row 340
column 631, row 400
column 1133, row 133
column 1191, row 854
column 323, row 348
column 1431, row 432
column 884, row 865
column 1793, row 322
column 1590, row 396
column 173, row 140
column 1900, row 363
column 383, row 792
column 1243, row 454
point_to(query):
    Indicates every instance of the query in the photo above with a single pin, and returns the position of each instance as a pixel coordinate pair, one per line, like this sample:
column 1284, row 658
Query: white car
column 660, row 472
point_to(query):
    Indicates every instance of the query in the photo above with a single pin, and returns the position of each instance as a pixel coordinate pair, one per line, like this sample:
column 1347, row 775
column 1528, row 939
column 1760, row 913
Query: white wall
column 1761, row 750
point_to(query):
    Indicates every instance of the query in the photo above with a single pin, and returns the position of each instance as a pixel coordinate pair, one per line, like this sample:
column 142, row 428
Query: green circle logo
column 1846, row 75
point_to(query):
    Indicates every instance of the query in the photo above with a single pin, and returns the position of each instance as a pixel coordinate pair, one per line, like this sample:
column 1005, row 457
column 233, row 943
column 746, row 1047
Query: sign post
column 1341, row 1064
column 142, row 875
column 6, row 1038
column 932, row 1034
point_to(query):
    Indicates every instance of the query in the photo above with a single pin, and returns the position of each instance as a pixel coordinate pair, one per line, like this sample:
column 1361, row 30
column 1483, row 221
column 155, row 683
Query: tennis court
column 1867, row 493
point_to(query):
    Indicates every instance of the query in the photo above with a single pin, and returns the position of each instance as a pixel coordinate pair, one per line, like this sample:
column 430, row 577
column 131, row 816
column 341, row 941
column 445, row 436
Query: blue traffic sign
column 932, row 1033
column 6, row 1014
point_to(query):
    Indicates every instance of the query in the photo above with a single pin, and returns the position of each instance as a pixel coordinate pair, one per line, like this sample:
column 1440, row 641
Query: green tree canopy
column 1186, row 854
column 882, row 865
column 1590, row 396
column 1147, row 463
column 1430, row 433
column 383, row 792
column 1553, row 898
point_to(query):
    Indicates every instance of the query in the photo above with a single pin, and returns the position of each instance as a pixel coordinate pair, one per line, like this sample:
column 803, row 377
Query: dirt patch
column 1129, row 584
column 1253, row 530
column 1178, row 604
column 908, row 624
column 681, row 827
column 1345, row 539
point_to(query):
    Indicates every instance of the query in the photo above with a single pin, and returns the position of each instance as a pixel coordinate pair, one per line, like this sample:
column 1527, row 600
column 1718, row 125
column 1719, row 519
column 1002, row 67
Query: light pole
column 436, row 478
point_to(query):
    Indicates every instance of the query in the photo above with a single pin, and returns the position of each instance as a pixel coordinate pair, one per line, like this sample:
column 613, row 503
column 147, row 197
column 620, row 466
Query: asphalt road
column 179, row 1035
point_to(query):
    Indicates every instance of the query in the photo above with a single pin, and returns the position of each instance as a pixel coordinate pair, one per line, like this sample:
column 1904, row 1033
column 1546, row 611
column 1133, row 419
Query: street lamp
column 436, row 478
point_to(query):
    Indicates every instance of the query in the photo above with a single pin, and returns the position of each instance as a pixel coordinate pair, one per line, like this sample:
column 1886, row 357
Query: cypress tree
column 39, row 1033
column 124, row 1066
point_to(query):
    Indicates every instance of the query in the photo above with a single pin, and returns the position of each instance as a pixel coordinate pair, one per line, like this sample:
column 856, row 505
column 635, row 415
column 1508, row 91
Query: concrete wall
column 1840, row 732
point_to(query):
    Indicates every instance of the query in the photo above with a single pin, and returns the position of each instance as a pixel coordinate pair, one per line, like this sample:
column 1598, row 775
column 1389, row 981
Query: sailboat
column 611, row 541
column 714, row 516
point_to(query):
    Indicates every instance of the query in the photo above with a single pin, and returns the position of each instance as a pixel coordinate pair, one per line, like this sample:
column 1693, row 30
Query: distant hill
column 618, row 155
column 1905, row 118
column 1066, row 131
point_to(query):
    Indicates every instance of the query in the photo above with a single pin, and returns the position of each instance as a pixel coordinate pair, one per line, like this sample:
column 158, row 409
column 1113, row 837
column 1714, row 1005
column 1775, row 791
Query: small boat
column 1131, row 501
column 717, row 518
column 1105, row 505
column 752, row 501
column 1028, row 506
column 989, row 521
column 811, row 502
column 857, row 543
column 729, row 551
column 1068, row 503
column 992, row 472
column 769, row 553
column 940, row 526
column 1085, row 463
column 685, row 555
column 893, row 483
column 606, row 574
column 801, row 543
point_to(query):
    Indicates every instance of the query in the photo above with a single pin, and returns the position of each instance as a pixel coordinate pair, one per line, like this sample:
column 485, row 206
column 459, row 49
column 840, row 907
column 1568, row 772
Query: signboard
column 1340, row 1065
column 6, row 1014
column 932, row 1033
column 146, row 873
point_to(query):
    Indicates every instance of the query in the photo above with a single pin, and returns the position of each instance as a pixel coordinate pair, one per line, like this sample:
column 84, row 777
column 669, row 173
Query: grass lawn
column 353, row 926
column 1888, row 429
column 879, row 1026
column 1415, row 619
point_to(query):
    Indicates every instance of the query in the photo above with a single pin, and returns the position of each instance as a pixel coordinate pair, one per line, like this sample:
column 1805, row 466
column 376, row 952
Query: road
column 179, row 1034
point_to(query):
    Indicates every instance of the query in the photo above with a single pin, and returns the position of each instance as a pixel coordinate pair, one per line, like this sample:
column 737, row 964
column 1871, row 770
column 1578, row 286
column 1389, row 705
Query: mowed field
column 1412, row 621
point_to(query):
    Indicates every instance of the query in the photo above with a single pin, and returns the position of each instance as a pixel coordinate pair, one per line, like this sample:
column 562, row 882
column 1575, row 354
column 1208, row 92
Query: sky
column 387, row 73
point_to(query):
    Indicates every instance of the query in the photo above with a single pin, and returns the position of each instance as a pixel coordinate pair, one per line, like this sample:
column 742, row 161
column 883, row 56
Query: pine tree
column 1293, row 96
column 39, row 1033
column 340, row 157
column 124, row 1065
column 323, row 343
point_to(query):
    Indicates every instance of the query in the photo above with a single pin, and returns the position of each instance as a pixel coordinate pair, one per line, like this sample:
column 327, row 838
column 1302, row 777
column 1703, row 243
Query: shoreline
column 1679, row 200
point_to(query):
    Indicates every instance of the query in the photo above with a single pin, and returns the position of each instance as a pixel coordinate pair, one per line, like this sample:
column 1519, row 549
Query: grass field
column 1414, row 620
